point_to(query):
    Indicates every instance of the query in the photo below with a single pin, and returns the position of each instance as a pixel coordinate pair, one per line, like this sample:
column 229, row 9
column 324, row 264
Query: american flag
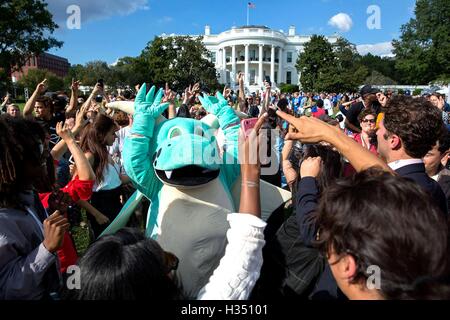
column 251, row 5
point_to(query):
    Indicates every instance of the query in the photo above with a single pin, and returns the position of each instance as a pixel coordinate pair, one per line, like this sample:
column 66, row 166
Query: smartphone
column 268, row 80
column 247, row 125
column 100, row 82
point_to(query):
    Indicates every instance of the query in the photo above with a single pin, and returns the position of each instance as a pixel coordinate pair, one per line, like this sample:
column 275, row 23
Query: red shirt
column 372, row 148
column 318, row 113
column 77, row 190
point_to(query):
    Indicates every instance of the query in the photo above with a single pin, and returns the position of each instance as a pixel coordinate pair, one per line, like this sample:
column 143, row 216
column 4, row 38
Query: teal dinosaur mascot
column 192, row 182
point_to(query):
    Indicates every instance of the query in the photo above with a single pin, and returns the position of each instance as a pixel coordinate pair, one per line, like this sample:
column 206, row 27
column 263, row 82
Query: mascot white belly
column 203, row 211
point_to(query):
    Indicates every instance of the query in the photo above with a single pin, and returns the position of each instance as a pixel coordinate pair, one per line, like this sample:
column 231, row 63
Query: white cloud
column 94, row 10
column 383, row 49
column 342, row 21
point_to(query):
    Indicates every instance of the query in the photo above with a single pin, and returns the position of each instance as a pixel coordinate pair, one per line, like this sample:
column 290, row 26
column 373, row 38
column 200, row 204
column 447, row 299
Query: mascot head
column 184, row 152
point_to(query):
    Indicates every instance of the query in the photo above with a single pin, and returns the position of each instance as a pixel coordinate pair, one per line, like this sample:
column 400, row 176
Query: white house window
column 213, row 57
column 289, row 57
column 289, row 77
column 252, row 76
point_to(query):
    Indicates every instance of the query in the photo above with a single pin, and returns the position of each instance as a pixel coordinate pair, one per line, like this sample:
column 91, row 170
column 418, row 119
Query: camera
column 296, row 155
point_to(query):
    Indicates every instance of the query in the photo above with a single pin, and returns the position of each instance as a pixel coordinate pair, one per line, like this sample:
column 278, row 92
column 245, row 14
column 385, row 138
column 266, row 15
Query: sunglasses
column 369, row 120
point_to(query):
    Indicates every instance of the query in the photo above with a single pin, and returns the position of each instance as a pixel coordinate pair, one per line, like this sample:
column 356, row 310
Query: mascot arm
column 139, row 167
column 230, row 124
column 137, row 149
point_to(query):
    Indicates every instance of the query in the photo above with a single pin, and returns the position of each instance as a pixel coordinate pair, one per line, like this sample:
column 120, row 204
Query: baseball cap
column 368, row 89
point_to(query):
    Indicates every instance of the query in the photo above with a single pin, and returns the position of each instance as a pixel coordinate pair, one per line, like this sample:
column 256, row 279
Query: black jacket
column 417, row 173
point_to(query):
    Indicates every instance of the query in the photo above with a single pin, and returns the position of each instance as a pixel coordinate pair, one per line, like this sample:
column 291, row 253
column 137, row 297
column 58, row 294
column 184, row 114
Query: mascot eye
column 174, row 132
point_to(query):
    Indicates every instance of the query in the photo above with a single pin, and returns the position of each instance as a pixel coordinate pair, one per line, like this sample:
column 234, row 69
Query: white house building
column 258, row 51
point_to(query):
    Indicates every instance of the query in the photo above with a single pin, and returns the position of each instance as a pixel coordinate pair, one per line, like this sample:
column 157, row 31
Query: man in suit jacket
column 410, row 128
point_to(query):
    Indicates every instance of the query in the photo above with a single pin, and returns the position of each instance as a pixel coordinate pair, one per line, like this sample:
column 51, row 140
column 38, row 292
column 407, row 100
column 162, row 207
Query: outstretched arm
column 73, row 104
column 241, row 97
column 137, row 152
column 239, row 268
column 312, row 130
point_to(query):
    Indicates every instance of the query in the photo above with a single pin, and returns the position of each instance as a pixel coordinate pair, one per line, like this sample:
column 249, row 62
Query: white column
column 224, row 64
column 247, row 74
column 219, row 64
column 260, row 71
column 272, row 64
column 280, row 66
column 233, row 63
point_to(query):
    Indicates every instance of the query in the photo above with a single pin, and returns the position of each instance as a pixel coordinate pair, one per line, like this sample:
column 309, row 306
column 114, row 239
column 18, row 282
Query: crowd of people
column 368, row 171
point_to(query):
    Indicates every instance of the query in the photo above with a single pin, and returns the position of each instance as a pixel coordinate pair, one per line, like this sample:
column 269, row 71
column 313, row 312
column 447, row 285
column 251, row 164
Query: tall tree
column 349, row 73
column 25, row 29
column 382, row 65
column 179, row 61
column 35, row 76
column 423, row 50
column 317, row 58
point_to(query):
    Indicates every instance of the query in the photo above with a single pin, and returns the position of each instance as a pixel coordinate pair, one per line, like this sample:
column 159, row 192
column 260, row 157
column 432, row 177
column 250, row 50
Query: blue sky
column 111, row 29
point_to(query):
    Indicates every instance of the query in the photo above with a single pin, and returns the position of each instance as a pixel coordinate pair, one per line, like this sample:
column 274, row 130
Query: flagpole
column 248, row 15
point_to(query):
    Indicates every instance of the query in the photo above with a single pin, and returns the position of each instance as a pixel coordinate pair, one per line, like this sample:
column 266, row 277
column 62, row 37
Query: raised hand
column 63, row 131
column 195, row 88
column 75, row 85
column 213, row 105
column 311, row 167
column 80, row 116
column 98, row 90
column 147, row 108
column 309, row 129
column 169, row 95
column 226, row 92
column 240, row 78
column 41, row 87
column 149, row 103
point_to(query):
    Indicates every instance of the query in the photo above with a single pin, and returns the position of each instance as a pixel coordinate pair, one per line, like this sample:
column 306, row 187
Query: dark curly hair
column 125, row 266
column 19, row 148
column 387, row 221
column 416, row 121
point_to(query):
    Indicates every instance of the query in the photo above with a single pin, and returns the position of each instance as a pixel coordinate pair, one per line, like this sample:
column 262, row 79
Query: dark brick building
column 57, row 65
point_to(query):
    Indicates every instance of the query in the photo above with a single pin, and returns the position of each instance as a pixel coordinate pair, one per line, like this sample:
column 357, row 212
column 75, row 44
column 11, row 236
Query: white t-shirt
column 111, row 178
column 327, row 105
